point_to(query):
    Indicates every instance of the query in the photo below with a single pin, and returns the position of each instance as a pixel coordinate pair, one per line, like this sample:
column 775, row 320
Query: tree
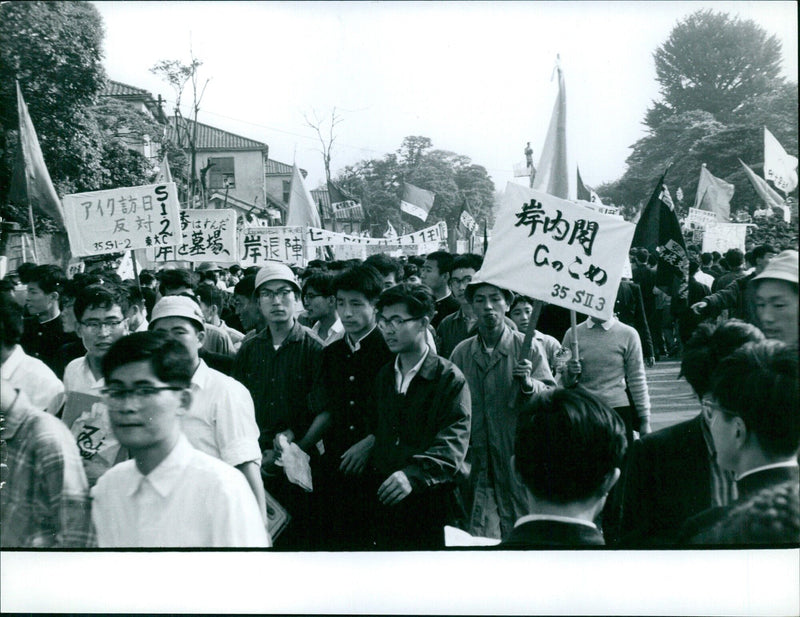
column 713, row 62
column 54, row 50
column 319, row 125
column 453, row 177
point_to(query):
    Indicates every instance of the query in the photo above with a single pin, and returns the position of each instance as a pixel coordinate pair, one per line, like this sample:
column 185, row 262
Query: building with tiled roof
column 211, row 139
column 139, row 98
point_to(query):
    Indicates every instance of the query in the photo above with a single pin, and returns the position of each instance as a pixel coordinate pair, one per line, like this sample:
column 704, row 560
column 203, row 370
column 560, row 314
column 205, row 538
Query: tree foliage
column 378, row 183
column 720, row 87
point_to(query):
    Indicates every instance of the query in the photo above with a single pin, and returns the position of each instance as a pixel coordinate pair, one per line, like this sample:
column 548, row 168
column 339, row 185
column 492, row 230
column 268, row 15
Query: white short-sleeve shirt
column 190, row 500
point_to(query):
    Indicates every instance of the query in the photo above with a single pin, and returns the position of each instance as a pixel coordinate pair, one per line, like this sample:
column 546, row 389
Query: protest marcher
column 390, row 269
column 457, row 326
column 568, row 451
column 672, row 474
column 499, row 380
column 177, row 282
column 520, row 312
column 21, row 371
column 629, row 309
column 213, row 273
column 320, row 303
column 246, row 306
column 345, row 497
column 755, row 426
column 422, row 430
column 645, row 278
column 734, row 259
column 170, row 494
column 44, row 333
column 738, row 297
column 611, row 360
column 137, row 308
column 221, row 419
column 435, row 273
column 776, row 298
column 280, row 367
column 687, row 320
column 100, row 311
column 211, row 300
column 44, row 495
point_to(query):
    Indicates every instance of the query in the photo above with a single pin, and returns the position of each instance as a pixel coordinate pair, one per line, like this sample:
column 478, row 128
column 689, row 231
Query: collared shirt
column 606, row 325
column 44, row 502
column 723, row 484
column 553, row 517
column 190, row 499
column 401, row 381
column 335, row 332
column 452, row 330
column 221, row 420
column 792, row 463
column 35, row 379
column 355, row 346
column 43, row 340
column 143, row 327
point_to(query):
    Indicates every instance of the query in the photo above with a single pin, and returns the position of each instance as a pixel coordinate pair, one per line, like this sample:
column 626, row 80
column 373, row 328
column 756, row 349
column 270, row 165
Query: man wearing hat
column 776, row 298
column 209, row 271
column 280, row 367
column 500, row 377
column 221, row 419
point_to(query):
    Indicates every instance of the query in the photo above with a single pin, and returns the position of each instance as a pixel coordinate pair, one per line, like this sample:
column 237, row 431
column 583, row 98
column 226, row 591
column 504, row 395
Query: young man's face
column 247, row 310
column 38, row 301
column 146, row 416
column 318, row 306
column 276, row 301
column 401, row 333
column 489, row 305
column 521, row 315
column 459, row 279
column 430, row 275
column 777, row 310
column 389, row 280
column 356, row 312
column 183, row 330
column 99, row 328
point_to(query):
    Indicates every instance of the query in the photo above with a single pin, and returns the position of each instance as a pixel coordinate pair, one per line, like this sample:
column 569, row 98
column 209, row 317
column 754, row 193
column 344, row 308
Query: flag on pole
column 416, row 202
column 779, row 166
column 390, row 232
column 30, row 183
column 302, row 211
column 764, row 190
column 164, row 172
column 714, row 195
column 586, row 192
column 343, row 205
column 659, row 231
column 552, row 175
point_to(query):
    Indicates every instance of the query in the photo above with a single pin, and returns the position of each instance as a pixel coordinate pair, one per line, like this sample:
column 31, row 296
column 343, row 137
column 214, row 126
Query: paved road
column 671, row 398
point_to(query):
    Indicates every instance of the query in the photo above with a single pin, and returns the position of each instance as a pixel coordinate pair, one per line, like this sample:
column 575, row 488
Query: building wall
column 274, row 184
column 248, row 172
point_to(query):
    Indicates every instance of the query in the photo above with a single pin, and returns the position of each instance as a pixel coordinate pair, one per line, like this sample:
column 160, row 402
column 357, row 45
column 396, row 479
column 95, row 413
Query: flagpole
column 33, row 225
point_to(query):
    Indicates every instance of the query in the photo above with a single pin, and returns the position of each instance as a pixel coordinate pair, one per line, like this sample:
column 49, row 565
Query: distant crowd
column 372, row 405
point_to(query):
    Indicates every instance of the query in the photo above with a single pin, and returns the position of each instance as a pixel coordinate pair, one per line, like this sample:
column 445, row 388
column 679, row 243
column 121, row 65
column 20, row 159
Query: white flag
column 714, row 195
column 779, row 166
column 302, row 210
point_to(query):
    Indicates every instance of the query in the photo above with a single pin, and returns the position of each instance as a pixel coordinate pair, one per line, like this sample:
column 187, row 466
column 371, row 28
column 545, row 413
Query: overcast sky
column 475, row 77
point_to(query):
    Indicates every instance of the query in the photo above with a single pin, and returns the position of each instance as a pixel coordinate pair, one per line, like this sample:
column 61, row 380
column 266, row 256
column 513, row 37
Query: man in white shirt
column 221, row 419
column 170, row 494
column 568, row 451
column 23, row 372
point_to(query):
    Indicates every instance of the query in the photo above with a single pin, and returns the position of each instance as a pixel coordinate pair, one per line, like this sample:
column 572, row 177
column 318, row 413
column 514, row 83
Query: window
column 287, row 187
column 221, row 175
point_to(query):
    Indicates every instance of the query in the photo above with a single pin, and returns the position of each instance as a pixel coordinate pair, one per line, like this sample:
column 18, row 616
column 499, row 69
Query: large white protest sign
column 208, row 235
column 122, row 219
column 700, row 219
column 723, row 236
column 557, row 251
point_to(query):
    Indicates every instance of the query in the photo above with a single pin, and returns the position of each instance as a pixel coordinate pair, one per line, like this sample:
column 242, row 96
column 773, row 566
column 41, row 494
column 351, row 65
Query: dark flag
column 343, row 205
column 30, row 183
column 659, row 232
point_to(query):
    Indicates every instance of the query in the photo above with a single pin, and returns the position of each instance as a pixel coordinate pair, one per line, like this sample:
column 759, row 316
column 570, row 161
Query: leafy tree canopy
column 378, row 183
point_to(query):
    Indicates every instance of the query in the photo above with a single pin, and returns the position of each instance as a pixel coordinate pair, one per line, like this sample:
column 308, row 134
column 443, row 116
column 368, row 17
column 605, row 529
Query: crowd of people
column 367, row 405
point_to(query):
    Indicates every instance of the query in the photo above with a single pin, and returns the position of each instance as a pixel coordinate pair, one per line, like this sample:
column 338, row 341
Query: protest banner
column 122, row 219
column 557, row 251
column 208, row 235
column 723, row 236
column 599, row 207
column 700, row 219
column 259, row 245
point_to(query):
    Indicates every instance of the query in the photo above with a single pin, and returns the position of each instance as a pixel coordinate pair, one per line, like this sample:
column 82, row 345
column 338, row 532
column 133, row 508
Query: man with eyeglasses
column 280, row 367
column 169, row 494
column 221, row 419
column 457, row 326
column 100, row 315
column 422, row 429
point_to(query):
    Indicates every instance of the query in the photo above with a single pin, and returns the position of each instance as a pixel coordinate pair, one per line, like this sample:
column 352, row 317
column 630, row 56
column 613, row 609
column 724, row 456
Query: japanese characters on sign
column 723, row 236
column 122, row 219
column 557, row 251
column 700, row 219
column 208, row 235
